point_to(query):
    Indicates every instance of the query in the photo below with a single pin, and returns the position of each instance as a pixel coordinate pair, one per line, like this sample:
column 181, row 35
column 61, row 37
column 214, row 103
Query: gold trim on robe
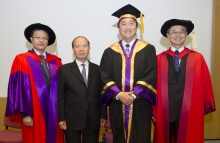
column 107, row 85
column 147, row 86
column 140, row 44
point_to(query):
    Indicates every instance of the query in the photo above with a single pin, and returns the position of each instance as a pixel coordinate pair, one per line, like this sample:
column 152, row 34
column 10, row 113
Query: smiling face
column 128, row 29
column 177, row 36
column 81, row 48
column 39, row 39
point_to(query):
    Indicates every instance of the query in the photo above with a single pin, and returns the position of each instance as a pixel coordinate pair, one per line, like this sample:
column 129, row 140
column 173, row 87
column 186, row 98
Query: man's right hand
column 28, row 121
column 62, row 125
column 126, row 98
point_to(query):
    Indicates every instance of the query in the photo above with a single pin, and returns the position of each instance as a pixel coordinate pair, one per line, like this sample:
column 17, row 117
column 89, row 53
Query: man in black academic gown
column 128, row 72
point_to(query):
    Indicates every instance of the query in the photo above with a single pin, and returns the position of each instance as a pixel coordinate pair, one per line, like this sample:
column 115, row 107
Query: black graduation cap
column 169, row 23
column 50, row 32
column 187, row 23
column 129, row 11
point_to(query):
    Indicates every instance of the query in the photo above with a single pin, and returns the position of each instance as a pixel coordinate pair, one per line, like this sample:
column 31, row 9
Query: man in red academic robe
column 32, row 89
column 184, row 89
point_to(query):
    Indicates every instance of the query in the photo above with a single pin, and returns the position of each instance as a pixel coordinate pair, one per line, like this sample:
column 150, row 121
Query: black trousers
column 173, row 130
column 87, row 135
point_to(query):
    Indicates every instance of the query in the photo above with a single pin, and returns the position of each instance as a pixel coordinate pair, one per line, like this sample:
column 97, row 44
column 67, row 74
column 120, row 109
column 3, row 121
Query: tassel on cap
column 55, row 43
column 129, row 11
column 193, row 39
column 141, row 23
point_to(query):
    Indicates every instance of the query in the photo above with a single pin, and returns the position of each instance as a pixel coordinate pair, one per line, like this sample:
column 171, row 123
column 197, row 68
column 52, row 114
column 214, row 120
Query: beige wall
column 212, row 121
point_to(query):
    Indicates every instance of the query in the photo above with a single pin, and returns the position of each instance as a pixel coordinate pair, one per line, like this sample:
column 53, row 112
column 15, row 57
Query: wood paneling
column 212, row 121
column 2, row 111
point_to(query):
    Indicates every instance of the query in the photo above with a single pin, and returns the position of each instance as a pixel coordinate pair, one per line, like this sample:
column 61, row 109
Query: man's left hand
column 102, row 122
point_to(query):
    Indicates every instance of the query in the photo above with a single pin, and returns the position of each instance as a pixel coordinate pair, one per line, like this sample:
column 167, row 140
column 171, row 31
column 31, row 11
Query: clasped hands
column 126, row 98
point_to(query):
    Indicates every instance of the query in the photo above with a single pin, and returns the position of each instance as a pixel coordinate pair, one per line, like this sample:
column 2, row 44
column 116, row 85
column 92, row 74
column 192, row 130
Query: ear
column 31, row 39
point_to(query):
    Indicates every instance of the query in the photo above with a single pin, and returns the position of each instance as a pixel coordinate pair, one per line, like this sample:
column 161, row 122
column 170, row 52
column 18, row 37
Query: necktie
column 44, row 64
column 176, row 60
column 84, row 74
column 127, row 52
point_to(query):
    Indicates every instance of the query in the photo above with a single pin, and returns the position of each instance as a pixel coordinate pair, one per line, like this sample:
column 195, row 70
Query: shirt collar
column 180, row 49
column 131, row 43
column 38, row 53
column 79, row 62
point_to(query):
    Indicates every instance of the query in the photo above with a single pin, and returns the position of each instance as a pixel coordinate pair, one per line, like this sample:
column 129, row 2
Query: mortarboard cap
column 50, row 32
column 129, row 11
column 187, row 23
column 169, row 23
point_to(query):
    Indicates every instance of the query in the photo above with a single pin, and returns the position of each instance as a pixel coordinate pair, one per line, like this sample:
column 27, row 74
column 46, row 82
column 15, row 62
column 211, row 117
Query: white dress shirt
column 81, row 67
column 38, row 53
column 180, row 50
column 131, row 43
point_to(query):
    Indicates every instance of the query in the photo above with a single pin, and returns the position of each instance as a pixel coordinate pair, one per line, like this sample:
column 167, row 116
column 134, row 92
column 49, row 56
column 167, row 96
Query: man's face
column 177, row 36
column 127, row 28
column 81, row 49
column 39, row 40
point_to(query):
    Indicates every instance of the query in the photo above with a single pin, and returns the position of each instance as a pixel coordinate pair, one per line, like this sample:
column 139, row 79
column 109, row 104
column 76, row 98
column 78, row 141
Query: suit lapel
column 75, row 70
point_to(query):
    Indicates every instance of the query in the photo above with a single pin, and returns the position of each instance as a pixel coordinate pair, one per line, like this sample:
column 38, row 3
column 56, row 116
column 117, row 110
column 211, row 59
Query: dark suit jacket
column 75, row 100
column 176, row 83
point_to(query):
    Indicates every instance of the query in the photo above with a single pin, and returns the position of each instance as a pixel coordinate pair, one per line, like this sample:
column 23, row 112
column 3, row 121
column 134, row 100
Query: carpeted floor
column 212, row 141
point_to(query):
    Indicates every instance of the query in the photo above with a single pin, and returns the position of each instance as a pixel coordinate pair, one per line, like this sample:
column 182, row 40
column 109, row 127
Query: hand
column 62, row 125
column 126, row 98
column 28, row 121
column 153, row 120
column 102, row 122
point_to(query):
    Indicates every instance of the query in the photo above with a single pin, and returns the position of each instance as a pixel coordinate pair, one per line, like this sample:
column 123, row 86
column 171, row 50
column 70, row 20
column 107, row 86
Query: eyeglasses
column 175, row 33
column 39, row 38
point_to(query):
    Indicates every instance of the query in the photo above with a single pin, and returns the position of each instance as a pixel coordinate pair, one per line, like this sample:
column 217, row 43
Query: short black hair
column 80, row 37
column 126, row 17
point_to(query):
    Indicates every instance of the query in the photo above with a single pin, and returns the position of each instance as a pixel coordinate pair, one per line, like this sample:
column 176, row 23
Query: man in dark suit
column 79, row 94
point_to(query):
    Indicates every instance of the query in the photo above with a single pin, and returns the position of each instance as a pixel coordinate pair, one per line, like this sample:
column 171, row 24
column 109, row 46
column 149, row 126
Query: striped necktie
column 84, row 74
column 44, row 64
column 127, row 52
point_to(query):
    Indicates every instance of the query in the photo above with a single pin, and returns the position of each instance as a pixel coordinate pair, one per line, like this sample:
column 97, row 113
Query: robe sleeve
column 110, row 89
column 19, row 89
column 145, row 86
column 209, row 105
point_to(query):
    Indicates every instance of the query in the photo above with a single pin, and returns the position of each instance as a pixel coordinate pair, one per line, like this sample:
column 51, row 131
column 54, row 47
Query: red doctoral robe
column 198, row 99
column 28, row 93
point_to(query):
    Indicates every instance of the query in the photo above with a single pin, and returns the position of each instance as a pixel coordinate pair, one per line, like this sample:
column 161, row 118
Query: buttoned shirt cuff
column 117, row 96
column 134, row 96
